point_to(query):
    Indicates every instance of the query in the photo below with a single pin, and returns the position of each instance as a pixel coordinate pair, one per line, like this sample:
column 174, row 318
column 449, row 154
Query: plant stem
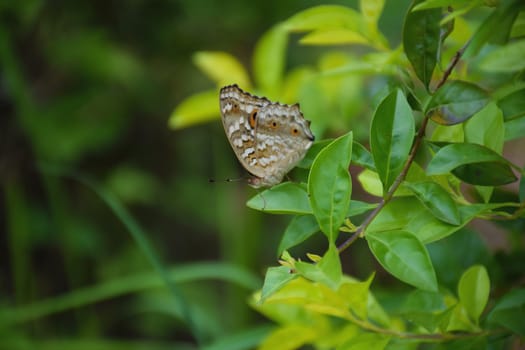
column 402, row 175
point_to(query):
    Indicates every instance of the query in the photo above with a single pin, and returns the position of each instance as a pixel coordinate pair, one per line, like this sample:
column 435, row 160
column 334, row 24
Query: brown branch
column 402, row 175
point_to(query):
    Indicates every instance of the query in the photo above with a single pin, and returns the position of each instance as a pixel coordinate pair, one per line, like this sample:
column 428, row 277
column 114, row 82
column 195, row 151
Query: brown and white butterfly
column 268, row 138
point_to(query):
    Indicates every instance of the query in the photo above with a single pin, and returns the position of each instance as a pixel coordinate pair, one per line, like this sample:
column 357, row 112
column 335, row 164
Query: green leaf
column 327, row 271
column 299, row 229
column 513, row 104
column 338, row 36
column 502, row 18
column 198, row 108
column 312, row 153
column 421, row 41
column 437, row 200
column 407, row 214
column 362, row 157
column 324, row 17
column 371, row 10
column 330, row 185
column 455, row 102
column 361, row 341
column 431, row 4
column 473, row 291
column 506, row 59
column 285, row 198
column 509, row 312
column 515, row 129
column 391, row 136
column 405, row 257
column 472, row 163
column 291, row 336
column 222, row 68
column 486, row 128
column 275, row 279
column 269, row 59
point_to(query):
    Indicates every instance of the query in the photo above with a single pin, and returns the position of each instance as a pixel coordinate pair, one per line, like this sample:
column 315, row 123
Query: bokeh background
column 86, row 91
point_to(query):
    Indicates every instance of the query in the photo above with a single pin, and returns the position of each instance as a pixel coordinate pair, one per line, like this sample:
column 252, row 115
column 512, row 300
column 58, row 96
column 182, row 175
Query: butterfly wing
column 239, row 111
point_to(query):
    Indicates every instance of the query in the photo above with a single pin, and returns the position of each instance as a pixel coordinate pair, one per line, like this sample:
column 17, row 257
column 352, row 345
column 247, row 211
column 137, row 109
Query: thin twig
column 402, row 175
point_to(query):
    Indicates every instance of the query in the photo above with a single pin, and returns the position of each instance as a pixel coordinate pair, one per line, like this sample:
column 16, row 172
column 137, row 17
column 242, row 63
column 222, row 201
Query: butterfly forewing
column 268, row 138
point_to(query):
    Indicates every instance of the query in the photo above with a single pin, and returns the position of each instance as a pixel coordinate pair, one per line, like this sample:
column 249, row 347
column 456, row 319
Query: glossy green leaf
column 502, row 18
column 362, row 157
column 509, row 312
column 269, row 60
column 437, row 200
column 508, row 58
column 285, row 198
column 358, row 207
column 324, row 16
column 275, row 279
column 407, row 213
column 455, row 102
column 313, row 151
column 432, row 4
column 472, row 163
column 486, row 128
column 222, row 68
column 330, row 186
column 424, row 309
column 515, row 129
column 421, row 41
column 338, row 36
column 327, row 271
column 473, row 291
column 513, row 104
column 299, row 229
column 198, row 108
column 405, row 257
column 391, row 136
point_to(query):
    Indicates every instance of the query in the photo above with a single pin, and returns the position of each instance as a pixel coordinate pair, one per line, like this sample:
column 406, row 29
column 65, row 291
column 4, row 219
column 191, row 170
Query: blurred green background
column 86, row 91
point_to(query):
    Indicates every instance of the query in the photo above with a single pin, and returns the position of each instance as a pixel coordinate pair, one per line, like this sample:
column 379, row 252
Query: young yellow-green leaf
column 338, row 36
column 473, row 291
column 405, row 257
column 268, row 60
column 330, row 185
column 298, row 230
column 508, row 58
column 371, row 10
column 376, row 341
column 222, row 68
column 327, row 271
column 437, row 200
column 285, row 198
column 455, row 102
column 275, row 279
column 198, row 108
column 473, row 164
column 421, row 41
column 509, row 311
column 324, row 17
column 290, row 336
column 391, row 136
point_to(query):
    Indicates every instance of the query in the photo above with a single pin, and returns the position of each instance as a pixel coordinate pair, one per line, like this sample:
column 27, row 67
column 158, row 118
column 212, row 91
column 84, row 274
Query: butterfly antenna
column 212, row 180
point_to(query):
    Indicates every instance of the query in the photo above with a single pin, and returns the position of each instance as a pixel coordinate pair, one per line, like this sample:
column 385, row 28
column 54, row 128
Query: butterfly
column 268, row 138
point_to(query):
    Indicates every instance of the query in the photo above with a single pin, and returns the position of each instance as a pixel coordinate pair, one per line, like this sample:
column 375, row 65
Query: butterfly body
column 268, row 138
